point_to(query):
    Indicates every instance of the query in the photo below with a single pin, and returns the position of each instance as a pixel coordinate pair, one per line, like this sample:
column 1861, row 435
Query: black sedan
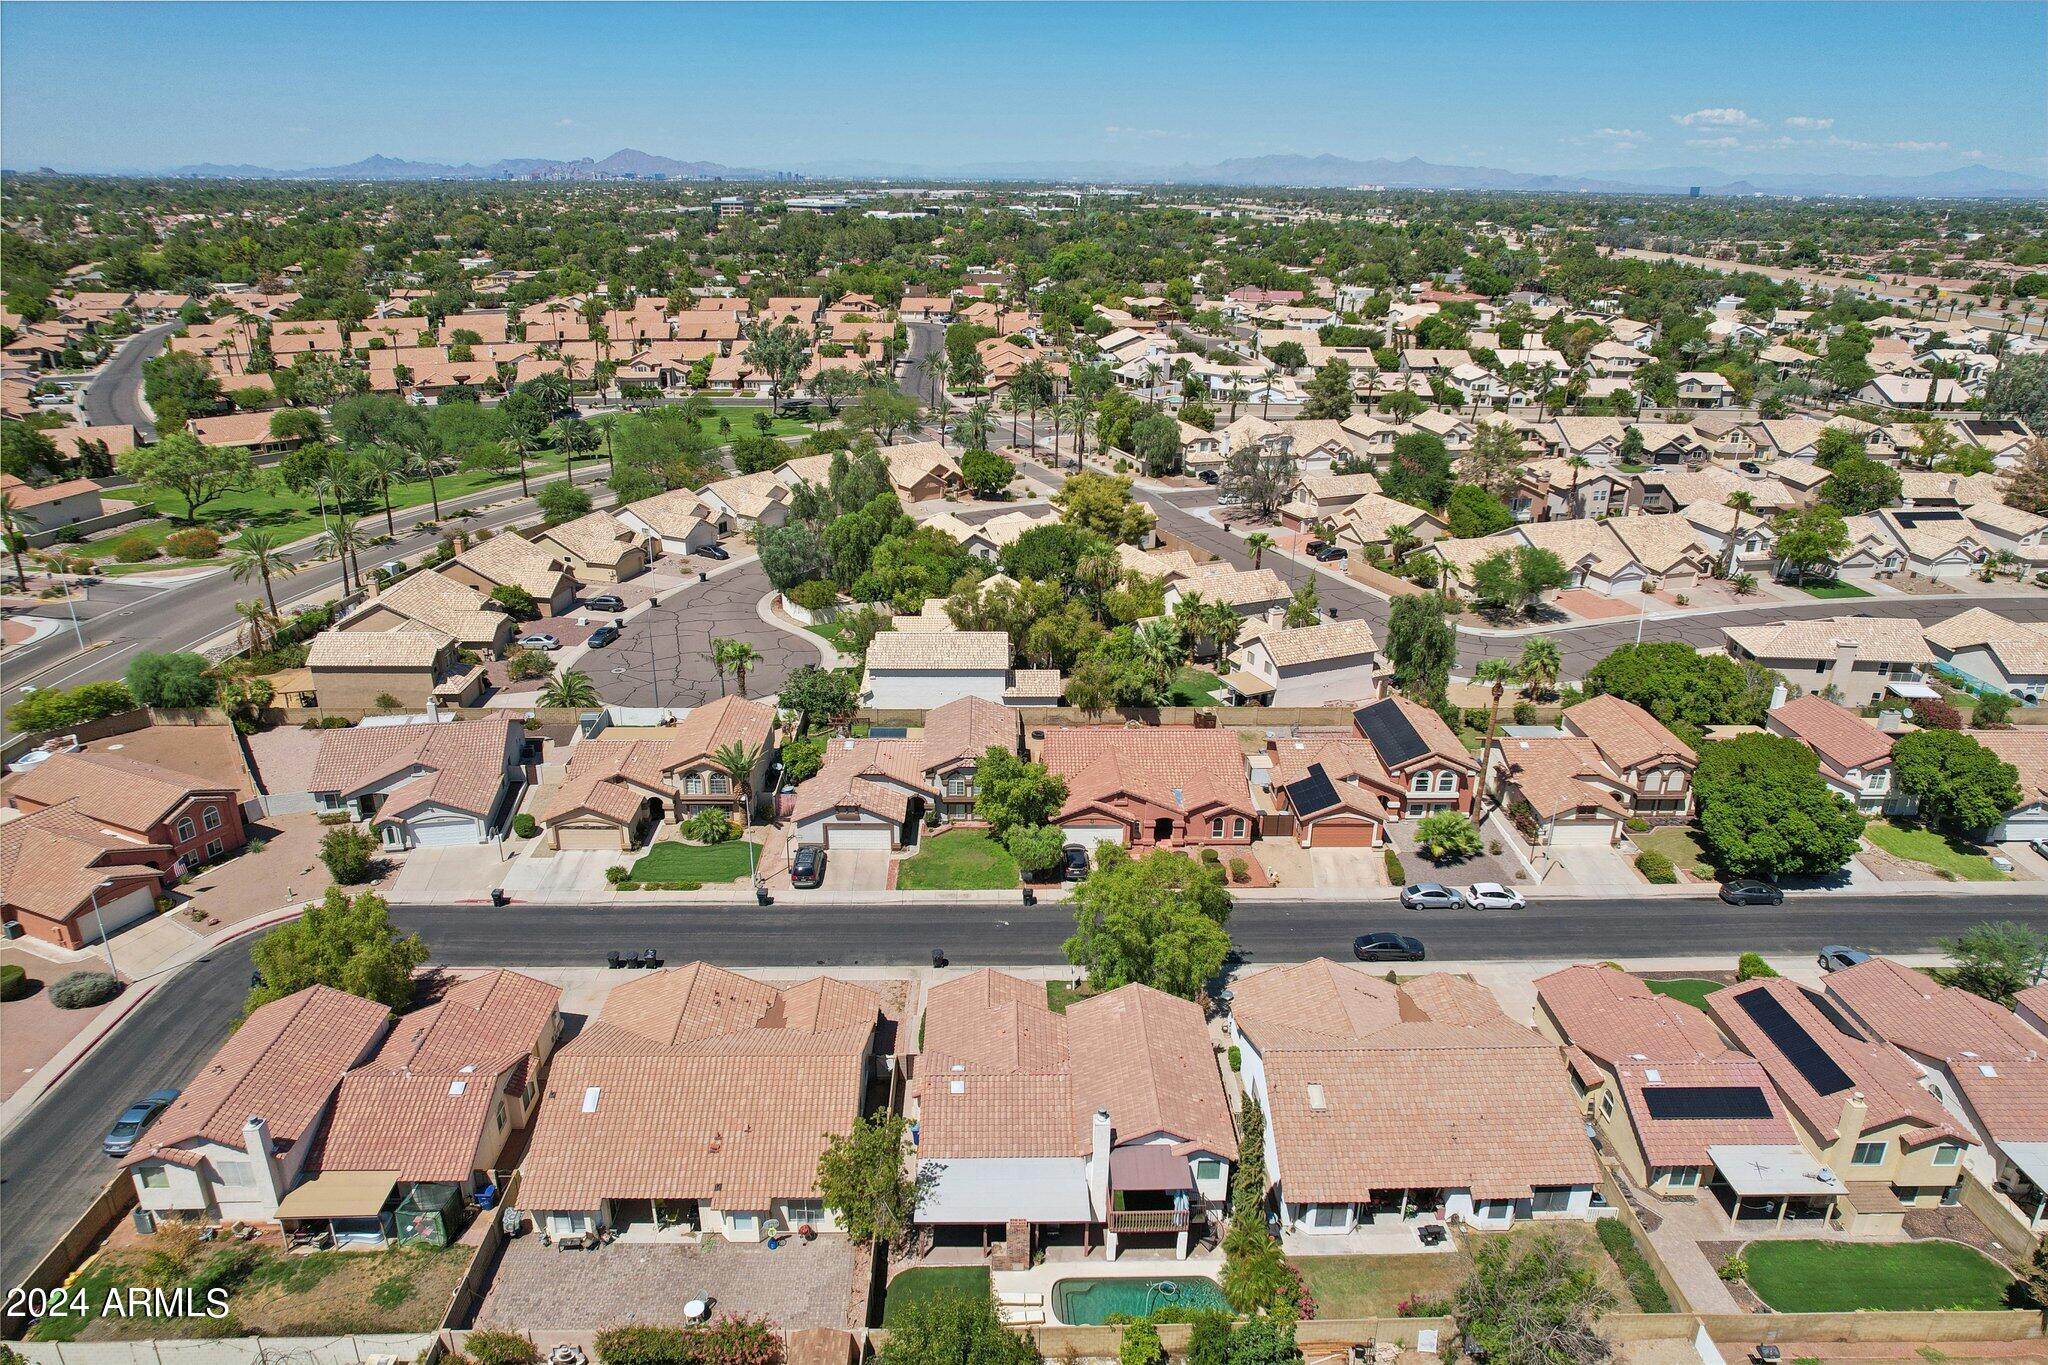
column 1075, row 866
column 713, row 551
column 1749, row 891
column 1387, row 948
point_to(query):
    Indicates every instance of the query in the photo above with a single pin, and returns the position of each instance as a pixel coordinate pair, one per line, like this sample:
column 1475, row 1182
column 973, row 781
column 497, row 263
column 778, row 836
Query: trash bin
column 498, row 895
column 938, row 957
column 1030, row 896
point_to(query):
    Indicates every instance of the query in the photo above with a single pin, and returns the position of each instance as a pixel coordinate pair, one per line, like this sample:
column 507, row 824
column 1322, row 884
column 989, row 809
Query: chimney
column 1098, row 1163
column 433, row 709
column 269, row 1179
column 1854, row 1110
column 1778, row 697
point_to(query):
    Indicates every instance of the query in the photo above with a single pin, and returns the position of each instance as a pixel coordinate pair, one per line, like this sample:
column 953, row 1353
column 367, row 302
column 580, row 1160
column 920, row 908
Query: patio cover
column 997, row 1189
column 1150, row 1166
column 1912, row 691
column 1756, row 1172
column 2031, row 1158
column 340, row 1194
column 1246, row 684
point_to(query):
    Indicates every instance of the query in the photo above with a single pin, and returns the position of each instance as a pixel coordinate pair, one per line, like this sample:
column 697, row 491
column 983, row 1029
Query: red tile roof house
column 1165, row 786
column 1606, row 761
column 435, row 1105
column 1855, row 756
column 614, row 791
column 1986, row 1065
column 64, row 875
column 195, row 822
column 1669, row 1094
column 1109, row 1117
column 1432, row 769
column 698, row 1103
column 874, row 793
column 42, row 512
column 238, row 1139
column 422, row 784
column 1328, row 791
column 1397, row 1104
column 1857, row 1103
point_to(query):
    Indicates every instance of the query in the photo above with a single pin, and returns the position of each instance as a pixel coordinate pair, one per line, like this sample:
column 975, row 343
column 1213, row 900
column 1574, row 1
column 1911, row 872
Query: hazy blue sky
column 1538, row 87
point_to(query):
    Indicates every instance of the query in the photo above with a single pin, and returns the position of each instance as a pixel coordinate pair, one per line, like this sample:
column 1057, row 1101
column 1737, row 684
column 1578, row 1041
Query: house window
column 1868, row 1154
column 1419, row 783
column 1237, row 827
column 693, row 785
column 1215, row 827
column 1446, row 781
column 801, row 1211
column 186, row 829
column 210, row 818
column 956, row 785
column 501, row 1113
column 721, row 785
column 1208, row 1168
column 1947, row 1154
column 237, row 1173
column 1555, row 1199
column 155, row 1177
column 1607, row 1105
column 1682, row 1177
column 214, row 848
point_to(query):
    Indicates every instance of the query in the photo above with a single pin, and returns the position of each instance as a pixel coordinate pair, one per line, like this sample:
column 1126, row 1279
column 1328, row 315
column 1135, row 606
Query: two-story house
column 1855, row 756
column 1431, row 769
column 431, row 783
column 1306, row 666
column 187, row 821
column 1855, row 660
column 614, row 791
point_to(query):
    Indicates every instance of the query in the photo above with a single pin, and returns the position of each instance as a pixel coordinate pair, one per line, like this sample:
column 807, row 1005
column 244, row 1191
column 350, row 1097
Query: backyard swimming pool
column 1085, row 1303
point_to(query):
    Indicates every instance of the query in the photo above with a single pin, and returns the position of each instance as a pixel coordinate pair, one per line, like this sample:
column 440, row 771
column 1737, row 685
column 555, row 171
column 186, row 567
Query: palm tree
column 721, row 659
column 1191, row 615
column 1159, row 644
column 381, row 466
column 975, row 424
column 1258, row 542
column 1400, row 540
column 741, row 656
column 605, row 424
column 938, row 368
column 258, row 555
column 1577, row 463
column 1499, row 672
column 738, row 761
column 1266, row 392
column 1235, row 394
column 344, row 538
column 1080, row 414
column 423, row 452
column 1540, row 665
column 258, row 631
column 1738, row 503
column 571, row 689
column 10, row 530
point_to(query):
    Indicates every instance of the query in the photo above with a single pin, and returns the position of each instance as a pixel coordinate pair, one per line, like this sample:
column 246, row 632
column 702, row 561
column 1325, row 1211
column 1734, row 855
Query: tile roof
column 1842, row 739
column 675, row 513
column 2027, row 751
column 611, row 778
column 1894, row 639
column 750, row 495
column 1560, row 776
column 514, row 560
column 437, row 600
column 50, row 861
column 875, row 775
column 457, row 764
column 595, row 537
column 985, row 650
column 1174, row 767
column 1626, row 734
column 699, row 1083
column 2021, row 646
column 1671, row 1141
column 410, row 646
column 1614, row 1018
column 282, row 1066
column 717, row 723
column 1356, row 775
column 112, row 788
column 1320, row 643
column 966, row 728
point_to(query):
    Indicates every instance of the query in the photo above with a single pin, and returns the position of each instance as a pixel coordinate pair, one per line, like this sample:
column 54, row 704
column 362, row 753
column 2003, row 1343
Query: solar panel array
column 1312, row 793
column 1706, row 1102
column 1393, row 738
column 1792, row 1039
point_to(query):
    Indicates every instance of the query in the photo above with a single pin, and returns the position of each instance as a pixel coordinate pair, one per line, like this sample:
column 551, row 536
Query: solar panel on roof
column 1792, row 1039
column 1706, row 1102
column 1312, row 793
column 1393, row 738
column 1831, row 1014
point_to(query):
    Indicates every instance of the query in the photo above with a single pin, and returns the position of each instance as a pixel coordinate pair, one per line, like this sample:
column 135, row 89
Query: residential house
column 1594, row 555
column 68, row 880
column 1554, row 489
column 1855, row 756
column 870, row 794
column 1331, row 661
column 391, row 670
column 2026, row 749
column 1579, row 783
column 759, row 499
column 237, row 1140
column 1161, row 786
column 187, row 821
column 615, row 790
column 1431, row 770
column 2001, row 529
column 627, row 1141
column 676, row 522
column 1855, row 660
column 1986, row 650
column 1108, row 1117
column 41, row 512
column 1939, row 542
column 440, row 603
column 422, row 784
column 1329, row 790
column 1704, row 389
column 1921, row 489
column 1371, row 520
column 1323, row 497
column 917, row 670
column 511, row 560
column 955, row 738
column 249, row 430
column 600, row 548
column 1416, row 1102
column 1914, row 393
column 1249, row 592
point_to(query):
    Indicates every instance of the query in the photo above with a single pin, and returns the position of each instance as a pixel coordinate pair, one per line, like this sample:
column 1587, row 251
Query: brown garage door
column 587, row 837
column 1341, row 834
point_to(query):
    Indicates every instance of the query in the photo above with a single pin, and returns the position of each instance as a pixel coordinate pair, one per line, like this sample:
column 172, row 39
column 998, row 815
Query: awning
column 1912, row 691
column 1152, row 1166
column 2031, row 1158
column 997, row 1189
column 340, row 1194
column 1246, row 684
column 1759, row 1172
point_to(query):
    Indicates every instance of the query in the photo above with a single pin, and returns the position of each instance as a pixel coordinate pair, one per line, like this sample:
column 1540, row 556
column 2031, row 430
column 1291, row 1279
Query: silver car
column 1430, row 896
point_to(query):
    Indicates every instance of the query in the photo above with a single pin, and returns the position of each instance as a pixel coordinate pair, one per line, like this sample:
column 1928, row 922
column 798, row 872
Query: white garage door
column 1088, row 836
column 857, row 836
column 2027, row 824
column 1597, row 833
column 569, row 837
column 443, row 831
column 117, row 914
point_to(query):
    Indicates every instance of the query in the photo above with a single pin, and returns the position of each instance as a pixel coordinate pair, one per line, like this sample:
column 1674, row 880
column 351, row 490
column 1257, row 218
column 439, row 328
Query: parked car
column 807, row 869
column 1209, row 476
column 1494, row 896
column 134, row 1120
column 1749, row 891
column 603, row 636
column 1750, row 467
column 1332, row 554
column 1387, row 948
column 1316, row 547
column 2040, row 846
column 539, row 639
column 1076, row 866
column 713, row 551
column 606, row 601
column 1430, row 896
column 1835, row 956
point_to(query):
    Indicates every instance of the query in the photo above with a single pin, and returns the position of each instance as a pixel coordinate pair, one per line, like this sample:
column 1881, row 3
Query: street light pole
column 100, row 923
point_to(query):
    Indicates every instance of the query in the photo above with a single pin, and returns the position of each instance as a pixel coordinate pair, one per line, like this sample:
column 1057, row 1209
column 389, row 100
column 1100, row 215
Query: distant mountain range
column 1272, row 171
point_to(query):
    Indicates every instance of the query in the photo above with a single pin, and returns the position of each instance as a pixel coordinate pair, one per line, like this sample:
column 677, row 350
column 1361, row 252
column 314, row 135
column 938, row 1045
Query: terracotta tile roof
column 717, row 723
column 460, row 764
column 22, row 496
column 1174, row 767
column 2034, row 998
column 51, row 859
column 1615, row 1018
column 1357, row 777
column 966, row 728
column 282, row 1066
column 1841, row 738
column 698, row 1083
column 2027, row 751
column 875, row 775
column 1684, row 1142
column 1441, row 744
column 1626, row 734
column 1145, row 1056
column 611, row 778
column 235, row 429
column 1912, row 1010
column 1559, row 776
column 112, row 788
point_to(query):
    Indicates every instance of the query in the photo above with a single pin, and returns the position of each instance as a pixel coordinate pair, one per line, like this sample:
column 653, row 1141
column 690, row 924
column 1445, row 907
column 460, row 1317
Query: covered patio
column 340, row 1209
column 1773, row 1184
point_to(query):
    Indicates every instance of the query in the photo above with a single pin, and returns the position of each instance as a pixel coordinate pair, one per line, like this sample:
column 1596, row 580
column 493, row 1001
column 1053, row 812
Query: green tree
column 27, row 453
column 1513, row 580
column 570, row 689
column 1010, row 792
column 198, row 475
column 1102, row 504
column 1810, row 539
column 1534, row 1302
column 1448, row 836
column 1158, row 920
column 1995, row 960
column 1472, row 512
column 2019, row 388
column 1765, row 811
column 348, row 944
column 780, row 353
column 1329, row 392
column 1860, row 484
column 1418, row 470
column 1036, row 849
column 822, row 696
column 1682, row 687
column 1541, row 664
column 954, row 1329
column 347, row 852
column 172, row 681
column 1962, row 786
column 987, row 473
column 1155, row 440
column 561, row 501
column 55, row 708
column 1495, row 460
column 1421, row 646
column 862, row 1181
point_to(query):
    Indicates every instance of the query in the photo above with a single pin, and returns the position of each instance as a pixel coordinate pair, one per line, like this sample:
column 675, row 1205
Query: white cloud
column 1974, row 154
column 1713, row 142
column 1919, row 146
column 1716, row 118
column 565, row 123
column 1620, row 134
column 1810, row 124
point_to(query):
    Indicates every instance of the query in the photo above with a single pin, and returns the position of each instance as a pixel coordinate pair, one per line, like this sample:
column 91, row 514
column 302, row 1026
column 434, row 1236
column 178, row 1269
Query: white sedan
column 1493, row 896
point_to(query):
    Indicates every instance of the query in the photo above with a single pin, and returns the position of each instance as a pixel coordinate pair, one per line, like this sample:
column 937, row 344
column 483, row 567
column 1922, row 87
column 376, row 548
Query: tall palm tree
column 605, row 424
column 10, row 530
column 570, row 689
column 1498, row 672
column 738, row 761
column 381, row 466
column 521, row 444
column 1577, row 463
column 424, row 455
column 741, row 656
column 258, row 555
column 1541, row 664
column 1160, row 645
column 344, row 538
column 721, row 660
column 1191, row 615
column 1738, row 503
column 1235, row 393
column 1258, row 542
column 258, row 631
column 975, row 424
column 938, row 368
column 1080, row 415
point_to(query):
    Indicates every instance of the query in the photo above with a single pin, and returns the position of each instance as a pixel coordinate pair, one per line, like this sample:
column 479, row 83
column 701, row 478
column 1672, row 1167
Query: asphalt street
column 665, row 652
column 115, row 394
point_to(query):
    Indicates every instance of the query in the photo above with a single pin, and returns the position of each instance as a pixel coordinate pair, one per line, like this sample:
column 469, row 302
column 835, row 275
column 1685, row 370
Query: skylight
column 590, row 1095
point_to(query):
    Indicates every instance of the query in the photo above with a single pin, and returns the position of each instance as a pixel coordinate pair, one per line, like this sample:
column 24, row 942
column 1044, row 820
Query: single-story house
column 1989, row 651
column 1855, row 756
column 425, row 783
column 600, row 548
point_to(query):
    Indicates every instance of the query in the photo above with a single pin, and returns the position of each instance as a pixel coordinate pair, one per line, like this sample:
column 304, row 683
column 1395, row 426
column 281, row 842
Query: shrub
column 1936, row 714
column 1635, row 1267
column 1236, row 1058
column 194, row 542
column 644, row 1345
column 1993, row 708
column 1636, row 824
column 14, row 982
column 1735, row 1266
column 815, row 595
column 737, row 1341
column 83, row 990
column 1477, row 718
column 526, row 664
column 1656, row 868
column 617, row 873
column 346, row 850
column 387, row 702
column 525, row 826
column 1395, row 874
column 1416, row 1306
column 1525, row 713
column 1140, row 1346
column 1211, row 857
column 1751, row 966
column 1240, row 871
column 1448, row 836
column 500, row 1348
column 710, row 826
column 134, row 548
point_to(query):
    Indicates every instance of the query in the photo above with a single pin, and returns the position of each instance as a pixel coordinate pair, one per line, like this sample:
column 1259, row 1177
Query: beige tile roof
column 282, row 1066
column 112, row 788
column 1443, row 743
column 1626, row 734
column 675, row 513
column 596, row 538
column 1841, row 738
column 1372, row 516
column 452, row 608
column 2026, row 750
column 1336, row 487
column 2021, row 646
column 698, row 1083
column 980, row 650
column 1320, row 643
column 1172, row 767
column 407, row 647
column 52, row 859
column 458, row 764
column 513, row 559
column 1890, row 638
column 2013, row 521
column 1965, row 490
column 750, row 495
column 1240, row 588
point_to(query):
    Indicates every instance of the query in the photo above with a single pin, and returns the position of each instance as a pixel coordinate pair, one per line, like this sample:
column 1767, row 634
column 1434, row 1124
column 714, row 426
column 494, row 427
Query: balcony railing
column 1148, row 1220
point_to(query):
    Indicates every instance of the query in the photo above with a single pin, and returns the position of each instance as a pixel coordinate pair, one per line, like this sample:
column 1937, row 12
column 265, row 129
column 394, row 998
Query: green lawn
column 1956, row 861
column 1680, row 845
column 1059, row 995
column 931, row 1282
column 1193, row 687
column 1375, row 1286
column 958, row 860
column 741, row 420
column 1692, row 990
column 1832, row 591
column 1842, row 1277
column 667, row 862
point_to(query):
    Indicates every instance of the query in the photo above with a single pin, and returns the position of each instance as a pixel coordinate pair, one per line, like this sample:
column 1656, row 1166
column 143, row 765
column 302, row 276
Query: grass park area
column 1681, row 845
column 726, row 423
column 958, row 860
column 1692, row 990
column 925, row 1283
column 1059, row 995
column 669, row 862
column 1845, row 1277
column 1955, row 861
column 1834, row 591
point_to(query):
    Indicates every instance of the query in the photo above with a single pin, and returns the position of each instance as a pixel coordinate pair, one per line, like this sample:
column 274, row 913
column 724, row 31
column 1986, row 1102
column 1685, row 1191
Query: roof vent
column 466, row 1068
column 1637, row 1057
column 1985, row 1068
column 1316, row 1099
column 1654, row 1076
column 590, row 1094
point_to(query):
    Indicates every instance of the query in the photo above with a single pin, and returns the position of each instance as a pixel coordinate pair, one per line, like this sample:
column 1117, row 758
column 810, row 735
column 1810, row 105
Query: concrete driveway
column 848, row 869
column 447, row 876
column 542, row 874
column 1334, row 869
